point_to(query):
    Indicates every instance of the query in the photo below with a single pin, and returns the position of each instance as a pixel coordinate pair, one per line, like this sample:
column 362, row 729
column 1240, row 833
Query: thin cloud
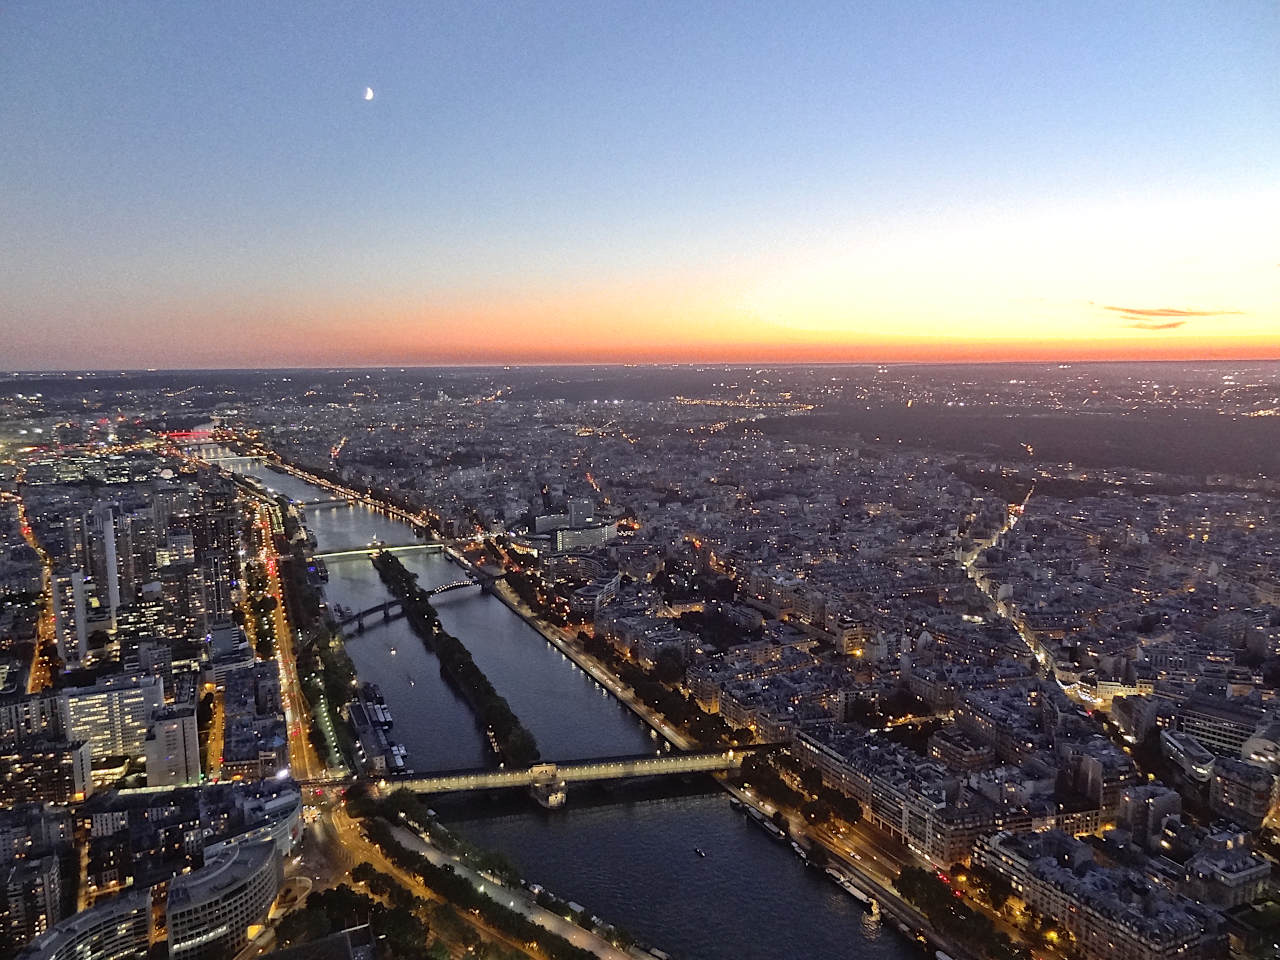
column 1138, row 312
column 1154, row 325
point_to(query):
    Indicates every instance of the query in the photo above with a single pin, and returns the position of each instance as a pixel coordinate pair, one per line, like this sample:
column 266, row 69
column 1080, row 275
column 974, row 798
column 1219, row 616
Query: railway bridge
column 354, row 624
column 549, row 781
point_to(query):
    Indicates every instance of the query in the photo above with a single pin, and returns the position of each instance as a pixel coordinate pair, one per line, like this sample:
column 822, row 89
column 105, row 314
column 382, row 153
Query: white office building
column 113, row 716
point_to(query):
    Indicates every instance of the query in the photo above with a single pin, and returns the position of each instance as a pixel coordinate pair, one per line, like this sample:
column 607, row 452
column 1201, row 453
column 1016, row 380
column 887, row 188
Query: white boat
column 858, row 895
column 847, row 885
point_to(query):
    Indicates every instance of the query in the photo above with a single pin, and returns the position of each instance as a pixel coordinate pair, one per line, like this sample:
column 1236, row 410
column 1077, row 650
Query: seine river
column 633, row 863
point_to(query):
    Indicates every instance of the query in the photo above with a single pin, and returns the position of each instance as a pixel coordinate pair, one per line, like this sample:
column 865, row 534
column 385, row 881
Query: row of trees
column 460, row 892
column 400, row 927
column 327, row 675
column 656, row 690
column 817, row 802
column 946, row 911
column 407, row 807
column 516, row 744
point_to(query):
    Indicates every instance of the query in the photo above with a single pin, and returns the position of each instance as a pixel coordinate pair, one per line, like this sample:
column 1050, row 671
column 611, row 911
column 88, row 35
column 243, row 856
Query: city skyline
column 533, row 184
column 641, row 662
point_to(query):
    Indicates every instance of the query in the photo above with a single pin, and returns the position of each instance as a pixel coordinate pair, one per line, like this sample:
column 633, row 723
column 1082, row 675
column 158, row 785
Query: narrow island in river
column 512, row 741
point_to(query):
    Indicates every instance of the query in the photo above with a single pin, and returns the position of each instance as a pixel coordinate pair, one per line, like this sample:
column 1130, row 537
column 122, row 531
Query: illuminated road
column 39, row 675
column 303, row 760
column 217, row 727
column 1010, row 521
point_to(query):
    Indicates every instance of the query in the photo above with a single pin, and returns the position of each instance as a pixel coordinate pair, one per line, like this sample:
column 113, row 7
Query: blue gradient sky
column 203, row 184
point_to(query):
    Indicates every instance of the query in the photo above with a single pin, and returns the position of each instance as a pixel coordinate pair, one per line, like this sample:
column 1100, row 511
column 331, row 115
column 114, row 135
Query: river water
column 633, row 863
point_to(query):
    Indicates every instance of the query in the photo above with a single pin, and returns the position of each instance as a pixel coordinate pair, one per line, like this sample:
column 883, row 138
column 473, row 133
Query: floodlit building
column 114, row 714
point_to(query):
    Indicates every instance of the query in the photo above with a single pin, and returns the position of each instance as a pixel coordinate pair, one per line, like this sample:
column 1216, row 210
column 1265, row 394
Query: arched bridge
column 456, row 585
column 476, row 577
column 393, row 609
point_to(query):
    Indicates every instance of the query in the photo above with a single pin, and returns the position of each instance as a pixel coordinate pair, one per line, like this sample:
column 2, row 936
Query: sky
column 206, row 185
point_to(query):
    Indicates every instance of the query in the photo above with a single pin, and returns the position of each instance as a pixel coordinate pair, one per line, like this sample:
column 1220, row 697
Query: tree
column 811, row 780
column 670, row 666
column 999, row 890
column 303, row 926
column 816, row 810
column 204, row 711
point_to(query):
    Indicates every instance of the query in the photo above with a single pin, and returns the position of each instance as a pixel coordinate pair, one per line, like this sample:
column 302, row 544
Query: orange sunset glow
column 879, row 185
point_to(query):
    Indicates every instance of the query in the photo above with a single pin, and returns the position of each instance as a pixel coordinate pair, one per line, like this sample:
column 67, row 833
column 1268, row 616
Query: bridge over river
column 393, row 609
column 548, row 781
column 369, row 551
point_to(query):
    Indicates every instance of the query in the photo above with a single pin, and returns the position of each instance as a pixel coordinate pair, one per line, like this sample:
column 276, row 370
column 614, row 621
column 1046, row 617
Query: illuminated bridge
column 547, row 779
column 370, row 551
column 232, row 458
column 582, row 771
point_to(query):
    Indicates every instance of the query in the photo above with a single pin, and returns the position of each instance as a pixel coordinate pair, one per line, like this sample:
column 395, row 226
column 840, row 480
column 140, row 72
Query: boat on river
column 772, row 830
column 396, row 758
column 847, row 885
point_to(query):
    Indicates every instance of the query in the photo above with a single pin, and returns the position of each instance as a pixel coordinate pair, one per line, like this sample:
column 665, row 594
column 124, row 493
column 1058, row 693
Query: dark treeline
column 1193, row 443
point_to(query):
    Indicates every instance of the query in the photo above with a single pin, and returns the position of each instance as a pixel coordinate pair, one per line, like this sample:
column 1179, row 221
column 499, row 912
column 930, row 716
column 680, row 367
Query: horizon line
column 587, row 364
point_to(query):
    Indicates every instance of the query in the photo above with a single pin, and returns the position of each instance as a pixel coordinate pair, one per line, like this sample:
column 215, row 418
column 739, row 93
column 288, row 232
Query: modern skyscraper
column 104, row 557
column 71, row 615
